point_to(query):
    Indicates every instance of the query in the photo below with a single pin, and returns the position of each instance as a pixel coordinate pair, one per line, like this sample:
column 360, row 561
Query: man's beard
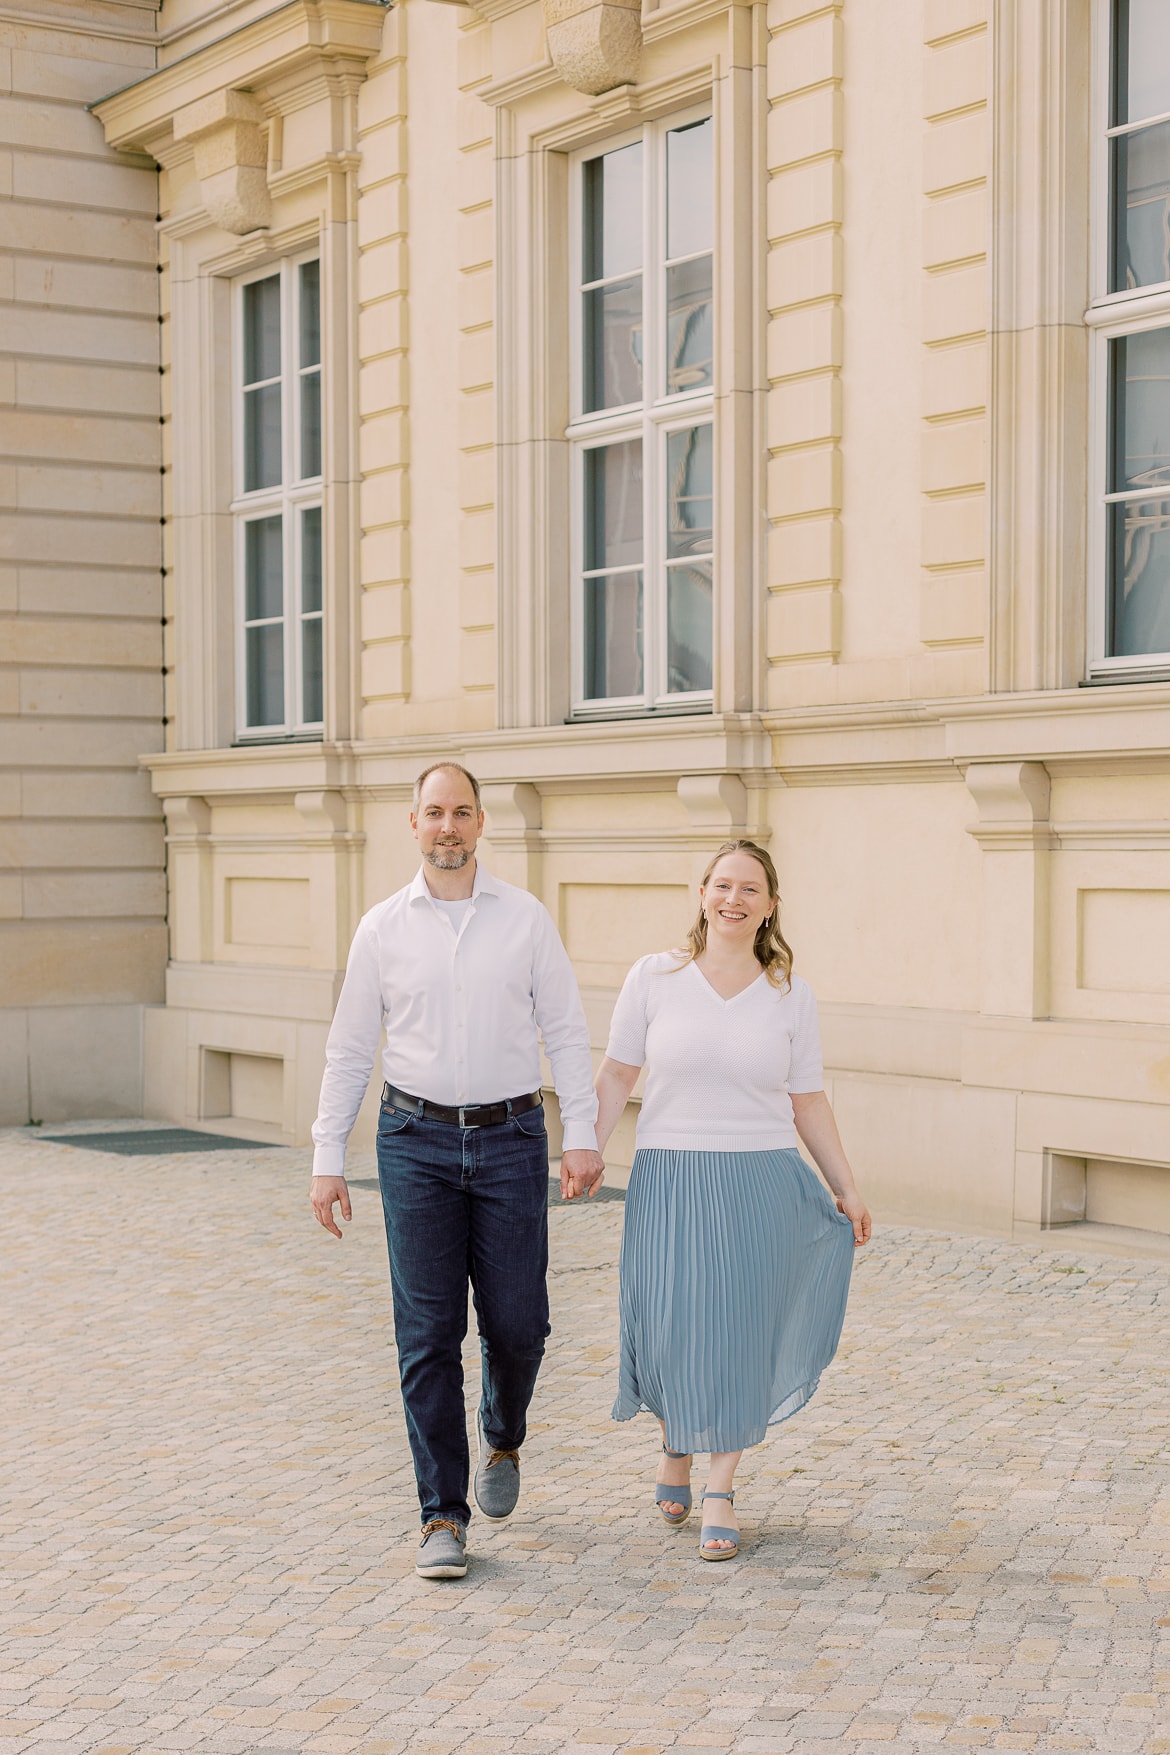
column 447, row 858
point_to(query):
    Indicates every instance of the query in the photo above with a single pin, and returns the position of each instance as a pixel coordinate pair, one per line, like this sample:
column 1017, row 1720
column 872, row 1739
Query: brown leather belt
column 469, row 1114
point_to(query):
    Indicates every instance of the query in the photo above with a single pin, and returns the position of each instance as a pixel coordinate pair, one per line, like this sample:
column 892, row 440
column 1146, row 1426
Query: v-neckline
column 716, row 995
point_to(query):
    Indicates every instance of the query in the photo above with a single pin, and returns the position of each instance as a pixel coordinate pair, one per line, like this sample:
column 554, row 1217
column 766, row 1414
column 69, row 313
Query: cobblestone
column 208, row 1508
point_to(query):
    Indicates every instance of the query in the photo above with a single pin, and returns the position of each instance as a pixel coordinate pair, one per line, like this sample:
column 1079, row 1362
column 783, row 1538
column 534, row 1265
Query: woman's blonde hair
column 773, row 952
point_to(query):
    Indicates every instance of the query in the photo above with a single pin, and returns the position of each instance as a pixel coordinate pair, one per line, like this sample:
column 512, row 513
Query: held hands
column 581, row 1173
column 323, row 1191
column 856, row 1211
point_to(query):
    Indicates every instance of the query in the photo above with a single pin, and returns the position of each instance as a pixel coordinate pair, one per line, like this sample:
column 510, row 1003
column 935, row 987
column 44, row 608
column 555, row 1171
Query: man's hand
column 323, row 1191
column 581, row 1173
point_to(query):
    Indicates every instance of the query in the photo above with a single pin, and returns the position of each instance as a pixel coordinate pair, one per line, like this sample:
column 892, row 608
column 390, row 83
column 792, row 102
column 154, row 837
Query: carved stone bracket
column 227, row 133
column 715, row 802
column 1014, row 832
column 1012, row 800
column 514, row 811
column 595, row 44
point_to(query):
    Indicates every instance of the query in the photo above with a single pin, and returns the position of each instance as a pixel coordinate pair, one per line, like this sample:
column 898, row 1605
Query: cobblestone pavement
column 207, row 1504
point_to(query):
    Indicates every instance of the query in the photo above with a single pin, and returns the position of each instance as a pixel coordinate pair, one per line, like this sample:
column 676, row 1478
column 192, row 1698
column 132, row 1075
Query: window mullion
column 292, row 611
column 653, row 384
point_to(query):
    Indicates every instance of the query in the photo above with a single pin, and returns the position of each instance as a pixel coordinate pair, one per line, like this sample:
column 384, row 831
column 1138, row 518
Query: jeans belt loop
column 508, row 1107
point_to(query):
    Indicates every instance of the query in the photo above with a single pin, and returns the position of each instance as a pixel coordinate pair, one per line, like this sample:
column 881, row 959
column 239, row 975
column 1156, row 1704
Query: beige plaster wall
column 82, row 940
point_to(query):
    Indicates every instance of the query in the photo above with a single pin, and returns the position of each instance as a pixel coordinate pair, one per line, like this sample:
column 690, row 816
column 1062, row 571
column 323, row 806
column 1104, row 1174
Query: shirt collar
column 485, row 885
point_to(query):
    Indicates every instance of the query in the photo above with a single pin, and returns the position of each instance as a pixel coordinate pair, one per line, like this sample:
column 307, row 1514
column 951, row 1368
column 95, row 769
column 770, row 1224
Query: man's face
column 447, row 824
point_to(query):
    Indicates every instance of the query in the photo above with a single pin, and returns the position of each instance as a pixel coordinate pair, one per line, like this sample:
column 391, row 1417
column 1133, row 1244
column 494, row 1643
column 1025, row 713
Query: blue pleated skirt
column 734, row 1277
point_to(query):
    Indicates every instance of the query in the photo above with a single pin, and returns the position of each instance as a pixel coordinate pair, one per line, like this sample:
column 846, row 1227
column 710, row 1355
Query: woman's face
column 735, row 900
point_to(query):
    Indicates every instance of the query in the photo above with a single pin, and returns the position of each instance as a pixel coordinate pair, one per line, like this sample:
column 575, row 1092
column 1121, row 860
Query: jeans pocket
column 392, row 1121
column 531, row 1123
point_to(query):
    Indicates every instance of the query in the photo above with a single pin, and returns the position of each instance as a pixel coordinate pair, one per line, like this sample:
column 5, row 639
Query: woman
column 735, row 1262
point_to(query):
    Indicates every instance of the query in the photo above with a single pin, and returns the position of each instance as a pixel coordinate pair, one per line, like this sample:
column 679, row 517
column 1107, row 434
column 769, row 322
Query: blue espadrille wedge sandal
column 713, row 1532
column 665, row 1493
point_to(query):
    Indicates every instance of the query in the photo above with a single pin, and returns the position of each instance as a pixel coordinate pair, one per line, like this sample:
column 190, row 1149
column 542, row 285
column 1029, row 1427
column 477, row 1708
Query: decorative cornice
column 225, row 102
column 667, row 21
column 513, row 88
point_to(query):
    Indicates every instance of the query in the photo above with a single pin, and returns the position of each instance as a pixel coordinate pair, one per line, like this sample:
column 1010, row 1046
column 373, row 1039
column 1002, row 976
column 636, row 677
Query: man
column 462, row 969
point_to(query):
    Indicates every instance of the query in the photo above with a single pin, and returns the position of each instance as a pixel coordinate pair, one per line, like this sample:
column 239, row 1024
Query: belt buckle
column 463, row 1109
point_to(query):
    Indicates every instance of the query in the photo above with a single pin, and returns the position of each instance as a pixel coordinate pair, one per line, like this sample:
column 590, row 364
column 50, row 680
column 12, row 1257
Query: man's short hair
column 446, row 768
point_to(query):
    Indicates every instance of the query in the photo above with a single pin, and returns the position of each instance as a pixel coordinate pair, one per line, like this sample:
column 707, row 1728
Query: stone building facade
column 706, row 419
column 82, row 895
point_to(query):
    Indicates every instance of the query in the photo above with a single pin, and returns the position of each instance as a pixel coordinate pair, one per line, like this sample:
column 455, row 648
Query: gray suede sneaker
column 442, row 1553
column 497, row 1478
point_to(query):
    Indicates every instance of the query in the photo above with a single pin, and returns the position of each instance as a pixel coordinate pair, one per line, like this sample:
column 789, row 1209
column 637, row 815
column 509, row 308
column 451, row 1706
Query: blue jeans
column 464, row 1204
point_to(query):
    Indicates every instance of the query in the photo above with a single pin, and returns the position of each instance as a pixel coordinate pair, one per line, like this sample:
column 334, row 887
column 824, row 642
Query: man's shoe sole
column 442, row 1571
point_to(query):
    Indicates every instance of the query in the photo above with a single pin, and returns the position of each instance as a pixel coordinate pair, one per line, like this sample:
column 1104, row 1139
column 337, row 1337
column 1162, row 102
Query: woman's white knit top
column 718, row 1071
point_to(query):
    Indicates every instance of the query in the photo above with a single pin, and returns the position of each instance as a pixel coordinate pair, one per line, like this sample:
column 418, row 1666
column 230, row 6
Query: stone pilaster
column 805, row 213
column 475, row 232
column 383, row 385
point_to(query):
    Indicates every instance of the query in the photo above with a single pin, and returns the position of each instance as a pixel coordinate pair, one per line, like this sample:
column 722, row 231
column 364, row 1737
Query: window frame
column 289, row 499
column 649, row 420
column 1111, row 316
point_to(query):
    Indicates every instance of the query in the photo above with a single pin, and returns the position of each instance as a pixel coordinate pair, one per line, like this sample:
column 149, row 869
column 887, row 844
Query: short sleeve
column 627, row 1030
column 805, row 1068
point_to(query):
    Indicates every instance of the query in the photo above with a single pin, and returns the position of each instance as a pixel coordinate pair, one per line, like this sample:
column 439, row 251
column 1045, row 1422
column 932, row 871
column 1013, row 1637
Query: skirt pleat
column 734, row 1278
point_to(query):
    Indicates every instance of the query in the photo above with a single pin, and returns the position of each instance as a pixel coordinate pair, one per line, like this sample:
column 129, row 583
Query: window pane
column 310, row 314
column 688, row 628
column 1141, row 411
column 310, row 560
column 264, row 652
column 613, row 506
column 613, row 636
column 612, row 241
column 311, row 670
column 1141, row 207
column 262, row 438
column 613, row 344
column 310, row 425
column 688, row 326
column 690, row 225
column 263, row 569
column 1140, row 607
column 688, row 492
column 1142, row 59
column 262, row 330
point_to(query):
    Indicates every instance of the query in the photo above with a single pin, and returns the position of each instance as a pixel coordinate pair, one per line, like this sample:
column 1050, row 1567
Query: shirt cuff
column 329, row 1161
column 580, row 1136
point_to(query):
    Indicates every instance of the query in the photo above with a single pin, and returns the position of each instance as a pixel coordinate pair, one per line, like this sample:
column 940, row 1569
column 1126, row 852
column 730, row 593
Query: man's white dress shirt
column 462, row 1005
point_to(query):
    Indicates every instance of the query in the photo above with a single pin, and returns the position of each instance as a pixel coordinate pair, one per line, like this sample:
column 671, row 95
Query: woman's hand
column 856, row 1211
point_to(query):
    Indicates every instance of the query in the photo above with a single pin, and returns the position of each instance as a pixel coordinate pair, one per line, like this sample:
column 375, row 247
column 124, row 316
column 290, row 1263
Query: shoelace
column 503, row 1456
column 441, row 1523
